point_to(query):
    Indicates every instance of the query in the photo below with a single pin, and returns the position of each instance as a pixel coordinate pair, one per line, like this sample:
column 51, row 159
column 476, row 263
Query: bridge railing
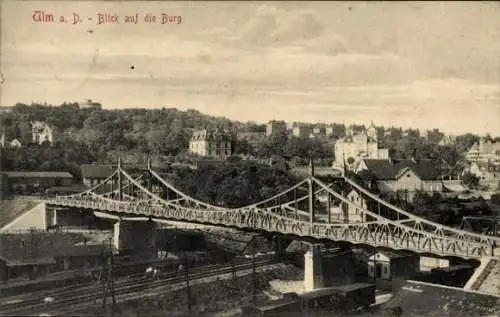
column 382, row 232
column 437, row 226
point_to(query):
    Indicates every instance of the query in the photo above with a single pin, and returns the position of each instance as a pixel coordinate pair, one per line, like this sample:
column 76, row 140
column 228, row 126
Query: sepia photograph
column 250, row 158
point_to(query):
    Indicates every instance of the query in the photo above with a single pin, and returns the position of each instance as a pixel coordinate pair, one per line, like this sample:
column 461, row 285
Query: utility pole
column 254, row 274
column 233, row 268
column 109, row 283
column 187, row 284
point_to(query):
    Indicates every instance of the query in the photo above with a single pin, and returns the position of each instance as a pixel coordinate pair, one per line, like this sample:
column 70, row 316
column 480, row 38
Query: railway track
column 79, row 298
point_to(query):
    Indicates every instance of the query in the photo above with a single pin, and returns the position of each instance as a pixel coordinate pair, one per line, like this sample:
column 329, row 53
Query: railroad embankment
column 215, row 296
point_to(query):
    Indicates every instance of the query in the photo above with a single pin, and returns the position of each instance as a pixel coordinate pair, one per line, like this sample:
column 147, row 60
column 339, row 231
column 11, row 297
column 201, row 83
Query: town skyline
column 268, row 61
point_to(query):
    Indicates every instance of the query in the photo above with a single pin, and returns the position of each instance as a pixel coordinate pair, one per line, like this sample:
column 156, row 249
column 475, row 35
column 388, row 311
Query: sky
column 410, row 64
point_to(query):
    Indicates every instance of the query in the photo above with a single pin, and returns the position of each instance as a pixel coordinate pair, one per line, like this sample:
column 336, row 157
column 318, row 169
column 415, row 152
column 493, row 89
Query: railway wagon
column 344, row 297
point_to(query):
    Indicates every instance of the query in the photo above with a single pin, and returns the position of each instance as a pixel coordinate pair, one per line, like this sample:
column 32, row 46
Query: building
column 357, row 147
column 329, row 130
column 41, row 132
column 94, row 174
column 274, row 127
column 390, row 265
column 355, row 210
column 89, row 104
column 371, row 132
column 301, row 131
column 15, row 143
column 213, row 143
column 401, row 177
column 487, row 172
column 24, row 182
column 354, row 129
column 320, row 130
column 37, row 253
column 448, row 140
column 484, row 150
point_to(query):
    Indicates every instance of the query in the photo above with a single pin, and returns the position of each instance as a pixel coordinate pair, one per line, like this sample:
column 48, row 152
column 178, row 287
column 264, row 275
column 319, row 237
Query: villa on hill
column 215, row 143
column 359, row 146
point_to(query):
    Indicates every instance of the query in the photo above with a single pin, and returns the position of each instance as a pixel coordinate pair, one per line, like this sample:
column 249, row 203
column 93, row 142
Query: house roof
column 391, row 255
column 97, row 171
column 487, row 166
column 40, row 247
column 104, row 170
column 31, row 174
column 211, row 135
column 75, row 188
column 385, row 170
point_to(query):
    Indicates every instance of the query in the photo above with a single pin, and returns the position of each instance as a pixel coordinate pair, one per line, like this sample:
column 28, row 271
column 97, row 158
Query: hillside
column 89, row 135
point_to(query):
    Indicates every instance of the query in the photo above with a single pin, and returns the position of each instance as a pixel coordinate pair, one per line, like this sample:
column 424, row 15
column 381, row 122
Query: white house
column 15, row 143
column 209, row 142
column 359, row 146
column 41, row 132
column 390, row 265
column 355, row 211
column 402, row 176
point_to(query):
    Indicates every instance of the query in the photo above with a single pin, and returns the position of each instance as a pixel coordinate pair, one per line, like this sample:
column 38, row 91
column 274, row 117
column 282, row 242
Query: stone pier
column 133, row 236
column 313, row 268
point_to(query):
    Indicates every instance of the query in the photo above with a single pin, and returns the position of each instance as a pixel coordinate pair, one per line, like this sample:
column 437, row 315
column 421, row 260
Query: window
column 408, row 175
column 386, row 269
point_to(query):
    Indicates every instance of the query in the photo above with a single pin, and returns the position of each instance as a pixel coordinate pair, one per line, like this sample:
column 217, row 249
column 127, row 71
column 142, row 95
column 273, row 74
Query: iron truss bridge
column 302, row 210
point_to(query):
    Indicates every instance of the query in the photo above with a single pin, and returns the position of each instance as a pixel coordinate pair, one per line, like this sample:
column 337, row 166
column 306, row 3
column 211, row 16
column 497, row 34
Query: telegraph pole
column 254, row 274
column 109, row 284
column 187, row 284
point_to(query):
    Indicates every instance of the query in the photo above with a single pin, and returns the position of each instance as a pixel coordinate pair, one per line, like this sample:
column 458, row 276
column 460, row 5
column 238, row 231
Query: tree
column 495, row 199
column 470, row 180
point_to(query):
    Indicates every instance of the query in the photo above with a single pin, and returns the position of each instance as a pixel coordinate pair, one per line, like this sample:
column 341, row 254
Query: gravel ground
column 491, row 284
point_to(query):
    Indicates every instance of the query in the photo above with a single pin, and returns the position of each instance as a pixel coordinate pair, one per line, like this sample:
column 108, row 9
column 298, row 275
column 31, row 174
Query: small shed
column 389, row 265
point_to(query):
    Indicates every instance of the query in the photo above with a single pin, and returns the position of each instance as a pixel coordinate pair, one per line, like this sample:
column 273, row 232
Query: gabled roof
column 31, row 174
column 42, row 247
column 211, row 135
column 97, row 171
column 392, row 255
column 382, row 169
column 106, row 170
column 385, row 170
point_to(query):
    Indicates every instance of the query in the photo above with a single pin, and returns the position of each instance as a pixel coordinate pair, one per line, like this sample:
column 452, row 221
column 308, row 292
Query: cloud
column 274, row 26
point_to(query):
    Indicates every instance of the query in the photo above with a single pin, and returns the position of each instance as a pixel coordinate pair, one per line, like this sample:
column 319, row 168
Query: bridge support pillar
column 53, row 216
column 132, row 236
column 313, row 269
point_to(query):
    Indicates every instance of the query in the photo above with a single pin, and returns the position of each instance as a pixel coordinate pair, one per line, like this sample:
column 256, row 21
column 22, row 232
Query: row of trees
column 233, row 184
